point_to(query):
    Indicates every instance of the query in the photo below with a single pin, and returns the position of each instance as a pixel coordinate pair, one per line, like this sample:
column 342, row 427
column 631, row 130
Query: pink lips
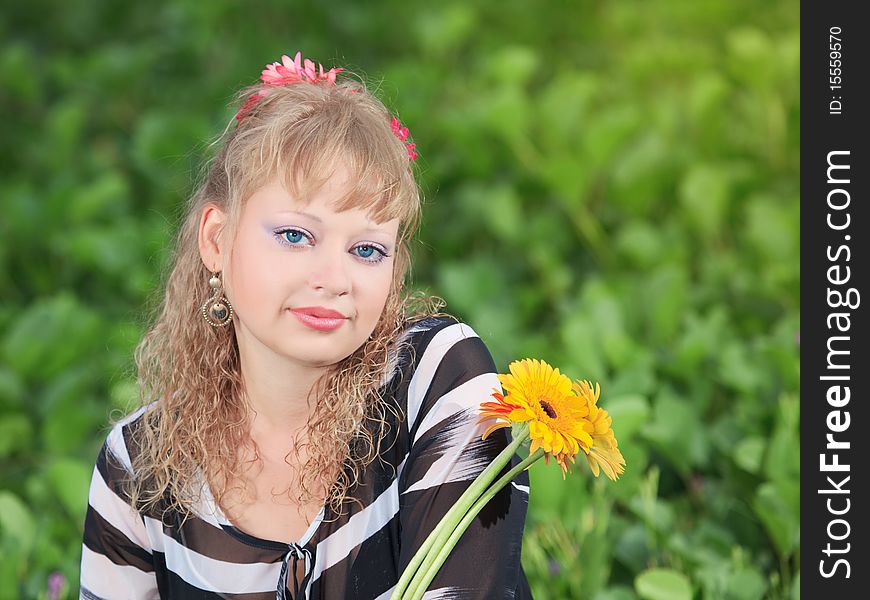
column 317, row 317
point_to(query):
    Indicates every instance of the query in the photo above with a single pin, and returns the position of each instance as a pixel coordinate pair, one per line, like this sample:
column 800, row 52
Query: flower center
column 547, row 408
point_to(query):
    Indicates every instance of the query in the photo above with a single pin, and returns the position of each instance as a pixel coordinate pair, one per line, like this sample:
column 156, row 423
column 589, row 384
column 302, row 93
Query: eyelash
column 280, row 233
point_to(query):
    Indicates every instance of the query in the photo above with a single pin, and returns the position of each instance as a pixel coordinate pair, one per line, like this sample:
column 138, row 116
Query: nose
column 329, row 271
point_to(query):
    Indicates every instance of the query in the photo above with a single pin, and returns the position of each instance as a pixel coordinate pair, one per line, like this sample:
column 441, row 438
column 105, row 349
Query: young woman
column 305, row 423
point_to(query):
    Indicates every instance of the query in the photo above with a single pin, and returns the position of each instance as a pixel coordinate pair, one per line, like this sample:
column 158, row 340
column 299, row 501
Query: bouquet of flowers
column 538, row 403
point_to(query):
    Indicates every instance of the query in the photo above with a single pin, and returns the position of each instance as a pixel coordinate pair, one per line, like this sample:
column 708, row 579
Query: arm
column 454, row 375
column 116, row 556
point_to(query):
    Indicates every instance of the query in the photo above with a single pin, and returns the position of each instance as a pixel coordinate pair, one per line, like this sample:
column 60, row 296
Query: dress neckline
column 210, row 511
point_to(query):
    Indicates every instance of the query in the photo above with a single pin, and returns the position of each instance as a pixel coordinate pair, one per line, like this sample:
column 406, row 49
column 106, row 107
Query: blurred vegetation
column 611, row 186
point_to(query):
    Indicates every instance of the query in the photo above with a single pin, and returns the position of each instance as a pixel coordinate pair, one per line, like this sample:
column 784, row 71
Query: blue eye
column 366, row 252
column 291, row 237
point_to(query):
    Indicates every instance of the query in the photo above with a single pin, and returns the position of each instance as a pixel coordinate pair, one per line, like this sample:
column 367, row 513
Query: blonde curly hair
column 196, row 420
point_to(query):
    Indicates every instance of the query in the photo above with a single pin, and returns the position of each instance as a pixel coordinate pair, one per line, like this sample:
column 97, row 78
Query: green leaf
column 705, row 193
column 70, row 480
column 616, row 593
column 663, row 584
column 65, row 123
column 773, row 228
column 640, row 243
column 701, row 337
column 629, row 412
column 578, row 332
column 466, row 283
column 70, row 410
column 751, row 57
column 561, row 128
column 17, row 76
column 640, row 178
column 777, row 504
column 708, row 94
column 105, row 247
column 666, row 296
column 16, row 522
column 507, row 113
column 496, row 207
column 782, row 460
column 15, row 433
column 677, row 432
column 749, row 453
column 160, row 140
column 439, row 31
column 638, row 377
column 607, row 311
column 552, row 495
column 11, row 389
column 722, row 579
column 50, row 335
column 637, row 457
column 738, row 368
column 106, row 199
column 568, row 182
column 632, row 548
column 512, row 65
column 746, row 584
column 609, row 133
column 124, row 395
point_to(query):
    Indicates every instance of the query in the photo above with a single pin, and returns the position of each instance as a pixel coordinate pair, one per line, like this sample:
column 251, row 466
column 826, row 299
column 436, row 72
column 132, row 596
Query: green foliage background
column 611, row 186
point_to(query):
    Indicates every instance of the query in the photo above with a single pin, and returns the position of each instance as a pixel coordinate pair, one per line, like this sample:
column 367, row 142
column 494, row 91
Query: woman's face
column 288, row 259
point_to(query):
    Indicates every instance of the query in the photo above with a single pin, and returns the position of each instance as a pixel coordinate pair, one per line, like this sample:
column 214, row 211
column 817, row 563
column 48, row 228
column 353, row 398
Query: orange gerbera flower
column 540, row 395
column 603, row 451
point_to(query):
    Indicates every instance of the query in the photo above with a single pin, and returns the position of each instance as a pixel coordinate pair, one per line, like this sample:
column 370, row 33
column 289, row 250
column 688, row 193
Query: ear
column 212, row 245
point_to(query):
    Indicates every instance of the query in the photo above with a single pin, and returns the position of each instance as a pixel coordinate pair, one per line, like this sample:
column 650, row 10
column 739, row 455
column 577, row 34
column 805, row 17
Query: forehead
column 350, row 181
column 320, row 206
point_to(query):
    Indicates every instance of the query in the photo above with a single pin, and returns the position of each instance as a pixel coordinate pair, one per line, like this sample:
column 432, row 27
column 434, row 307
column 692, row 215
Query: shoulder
column 122, row 442
column 442, row 341
column 113, row 470
column 438, row 331
column 451, row 370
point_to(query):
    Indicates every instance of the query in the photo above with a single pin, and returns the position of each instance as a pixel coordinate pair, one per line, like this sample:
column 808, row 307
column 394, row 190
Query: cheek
column 374, row 292
column 251, row 276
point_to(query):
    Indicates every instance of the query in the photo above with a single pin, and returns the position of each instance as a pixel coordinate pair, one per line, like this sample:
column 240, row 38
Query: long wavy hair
column 195, row 419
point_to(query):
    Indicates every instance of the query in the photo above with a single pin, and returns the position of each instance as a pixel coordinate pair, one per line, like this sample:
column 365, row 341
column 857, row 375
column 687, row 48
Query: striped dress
column 429, row 458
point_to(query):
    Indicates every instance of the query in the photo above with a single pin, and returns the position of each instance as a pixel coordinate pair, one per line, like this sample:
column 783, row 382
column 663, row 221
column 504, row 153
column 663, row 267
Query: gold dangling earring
column 217, row 310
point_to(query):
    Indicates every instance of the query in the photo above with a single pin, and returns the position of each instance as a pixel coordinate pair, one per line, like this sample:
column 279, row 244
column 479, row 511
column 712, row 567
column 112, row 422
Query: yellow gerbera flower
column 540, row 395
column 562, row 418
column 603, row 451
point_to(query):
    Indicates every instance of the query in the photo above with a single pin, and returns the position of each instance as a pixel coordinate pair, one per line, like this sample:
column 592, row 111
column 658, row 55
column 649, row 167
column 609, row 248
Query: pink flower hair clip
column 288, row 72
column 301, row 70
column 402, row 133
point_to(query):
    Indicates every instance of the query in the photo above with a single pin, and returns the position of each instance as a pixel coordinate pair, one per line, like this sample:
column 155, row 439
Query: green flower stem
column 434, row 561
column 453, row 516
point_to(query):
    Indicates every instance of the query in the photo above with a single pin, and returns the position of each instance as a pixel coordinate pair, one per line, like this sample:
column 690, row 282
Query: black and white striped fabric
column 429, row 459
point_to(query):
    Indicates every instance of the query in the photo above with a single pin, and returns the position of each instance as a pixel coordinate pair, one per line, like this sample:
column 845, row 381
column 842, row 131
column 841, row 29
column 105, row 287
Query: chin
column 319, row 350
column 324, row 359
column 324, row 363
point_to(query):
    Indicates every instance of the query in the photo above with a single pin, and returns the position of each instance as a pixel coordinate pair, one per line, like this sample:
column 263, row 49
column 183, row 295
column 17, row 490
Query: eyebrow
column 319, row 220
column 304, row 214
